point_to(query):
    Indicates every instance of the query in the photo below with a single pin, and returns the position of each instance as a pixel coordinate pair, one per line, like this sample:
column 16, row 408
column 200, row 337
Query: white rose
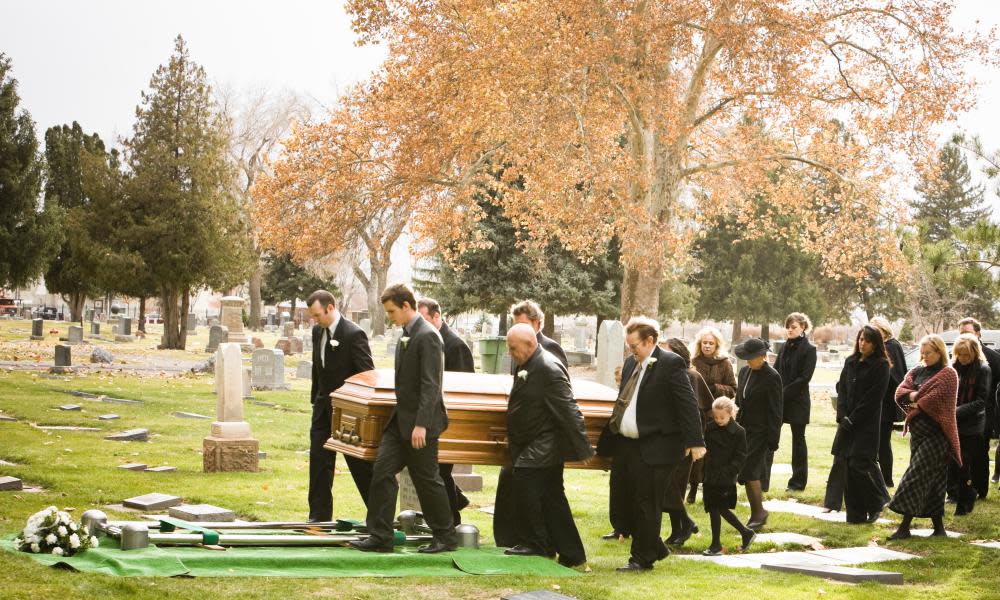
column 334, row 344
column 93, row 542
column 18, row 542
column 30, row 530
column 652, row 359
column 74, row 541
column 32, row 539
column 36, row 548
column 62, row 531
column 51, row 539
column 523, row 374
column 57, row 551
column 72, row 526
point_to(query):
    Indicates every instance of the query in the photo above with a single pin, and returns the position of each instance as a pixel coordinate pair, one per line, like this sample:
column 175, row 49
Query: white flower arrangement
column 523, row 374
column 404, row 340
column 53, row 531
column 334, row 344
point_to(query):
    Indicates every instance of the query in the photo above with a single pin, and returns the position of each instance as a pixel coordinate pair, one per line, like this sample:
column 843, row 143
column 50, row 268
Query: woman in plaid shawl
column 928, row 395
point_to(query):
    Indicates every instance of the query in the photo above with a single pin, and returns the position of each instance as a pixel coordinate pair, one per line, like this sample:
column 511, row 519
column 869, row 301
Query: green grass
column 77, row 469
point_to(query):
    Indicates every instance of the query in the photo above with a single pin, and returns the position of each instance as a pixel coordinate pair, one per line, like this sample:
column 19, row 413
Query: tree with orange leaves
column 641, row 118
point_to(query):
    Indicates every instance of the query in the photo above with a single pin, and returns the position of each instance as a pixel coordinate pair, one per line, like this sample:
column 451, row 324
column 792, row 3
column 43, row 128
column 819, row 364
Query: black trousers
column 545, row 520
column 980, row 467
column 885, row 451
column 800, row 461
column 394, row 453
column 864, row 490
column 644, row 486
column 962, row 483
column 505, row 533
column 835, row 483
column 322, row 463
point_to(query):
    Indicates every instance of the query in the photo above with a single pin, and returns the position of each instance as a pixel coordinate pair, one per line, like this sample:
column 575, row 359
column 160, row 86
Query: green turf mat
column 298, row 562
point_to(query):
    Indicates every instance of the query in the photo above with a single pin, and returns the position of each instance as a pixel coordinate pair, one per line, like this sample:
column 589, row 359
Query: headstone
column 95, row 328
column 580, row 335
column 151, row 502
column 285, row 345
column 261, row 455
column 230, row 446
column 268, row 369
column 610, row 351
column 217, row 334
column 10, row 484
column 465, row 479
column 89, row 314
column 133, row 466
column 194, row 513
column 781, row 538
column 296, row 345
column 37, row 326
column 577, row 357
column 307, row 343
column 69, row 407
column 232, row 319
column 126, row 326
column 132, row 435
column 408, row 499
column 162, row 469
column 189, row 415
column 304, row 369
column 247, row 383
column 538, row 595
column 288, row 330
column 192, row 323
column 100, row 355
column 841, row 573
column 108, row 417
column 257, row 342
column 75, row 335
column 8, row 419
column 366, row 326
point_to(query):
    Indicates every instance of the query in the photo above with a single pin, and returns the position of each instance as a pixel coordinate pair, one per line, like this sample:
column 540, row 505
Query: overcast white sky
column 89, row 60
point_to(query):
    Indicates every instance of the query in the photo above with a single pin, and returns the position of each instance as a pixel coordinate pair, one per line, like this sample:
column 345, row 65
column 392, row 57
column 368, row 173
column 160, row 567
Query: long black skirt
column 921, row 491
column 756, row 463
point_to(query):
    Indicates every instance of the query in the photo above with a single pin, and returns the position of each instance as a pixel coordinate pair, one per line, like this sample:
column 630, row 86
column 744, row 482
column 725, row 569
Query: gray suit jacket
column 419, row 375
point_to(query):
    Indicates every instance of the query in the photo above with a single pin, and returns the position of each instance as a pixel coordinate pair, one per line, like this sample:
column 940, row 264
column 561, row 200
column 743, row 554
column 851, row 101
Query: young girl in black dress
column 726, row 445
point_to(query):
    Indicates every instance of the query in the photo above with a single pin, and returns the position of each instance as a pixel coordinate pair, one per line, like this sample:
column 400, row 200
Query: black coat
column 758, row 394
column 795, row 363
column 544, row 424
column 351, row 356
column 993, row 401
column 891, row 413
column 726, row 451
column 549, row 344
column 860, row 392
column 974, row 385
column 667, row 414
column 457, row 355
column 419, row 374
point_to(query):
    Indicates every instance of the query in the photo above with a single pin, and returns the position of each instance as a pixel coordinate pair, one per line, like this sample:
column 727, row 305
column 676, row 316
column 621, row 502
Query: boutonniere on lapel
column 404, row 340
column 652, row 361
column 523, row 375
column 334, row 344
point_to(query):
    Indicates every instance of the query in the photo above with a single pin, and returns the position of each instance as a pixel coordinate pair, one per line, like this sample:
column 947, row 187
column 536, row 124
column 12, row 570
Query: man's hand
column 697, row 453
column 618, row 375
column 418, row 439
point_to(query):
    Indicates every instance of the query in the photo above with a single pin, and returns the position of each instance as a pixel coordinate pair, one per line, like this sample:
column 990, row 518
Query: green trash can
column 491, row 352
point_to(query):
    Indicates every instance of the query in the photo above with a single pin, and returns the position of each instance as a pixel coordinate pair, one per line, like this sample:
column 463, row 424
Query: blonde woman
column 709, row 358
column 928, row 396
column 974, row 385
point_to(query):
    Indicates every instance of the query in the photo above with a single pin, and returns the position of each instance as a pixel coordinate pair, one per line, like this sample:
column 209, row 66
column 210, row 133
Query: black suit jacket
column 544, row 424
column 667, row 414
column 457, row 355
column 351, row 356
column 419, row 375
column 993, row 400
column 549, row 344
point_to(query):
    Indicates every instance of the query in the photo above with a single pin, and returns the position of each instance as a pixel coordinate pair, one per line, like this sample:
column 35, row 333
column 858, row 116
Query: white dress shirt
column 629, row 427
column 326, row 337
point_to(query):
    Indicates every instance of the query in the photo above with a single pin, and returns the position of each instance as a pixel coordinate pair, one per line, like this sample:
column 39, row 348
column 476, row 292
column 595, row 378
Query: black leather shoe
column 757, row 524
column 712, row 551
column 370, row 544
column 900, row 534
column 436, row 546
column 523, row 550
column 634, row 567
column 614, row 535
column 683, row 535
column 874, row 517
column 461, row 501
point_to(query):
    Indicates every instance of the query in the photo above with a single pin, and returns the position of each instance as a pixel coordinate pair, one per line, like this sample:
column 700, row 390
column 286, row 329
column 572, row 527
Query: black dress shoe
column 634, row 567
column 370, row 544
column 523, row 550
column 436, row 546
column 614, row 535
column 747, row 539
column 712, row 551
column 900, row 534
column 874, row 517
column 683, row 535
column 757, row 524
column 461, row 501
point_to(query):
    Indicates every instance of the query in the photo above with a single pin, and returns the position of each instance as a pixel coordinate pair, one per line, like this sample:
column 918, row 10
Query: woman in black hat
column 758, row 394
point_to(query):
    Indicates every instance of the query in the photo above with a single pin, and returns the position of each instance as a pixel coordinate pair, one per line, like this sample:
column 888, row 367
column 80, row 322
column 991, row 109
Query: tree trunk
column 641, row 293
column 737, row 328
column 142, row 314
column 549, row 326
column 380, row 278
column 502, row 329
column 76, row 302
column 171, row 320
column 765, row 331
column 255, row 299
column 182, row 324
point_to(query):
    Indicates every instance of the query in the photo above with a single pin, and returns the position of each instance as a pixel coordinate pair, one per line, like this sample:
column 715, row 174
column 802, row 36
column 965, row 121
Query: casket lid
column 474, row 391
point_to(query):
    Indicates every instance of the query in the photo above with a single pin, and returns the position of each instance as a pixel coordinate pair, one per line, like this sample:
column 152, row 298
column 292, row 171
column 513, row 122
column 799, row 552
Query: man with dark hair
column 340, row 350
column 528, row 311
column 970, row 325
column 655, row 423
column 457, row 357
column 410, row 438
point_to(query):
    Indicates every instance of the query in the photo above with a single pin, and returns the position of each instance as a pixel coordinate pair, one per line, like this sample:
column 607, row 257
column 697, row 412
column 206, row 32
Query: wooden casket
column 477, row 416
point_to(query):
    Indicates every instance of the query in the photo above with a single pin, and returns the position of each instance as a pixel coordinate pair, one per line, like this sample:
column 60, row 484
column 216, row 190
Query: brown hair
column 432, row 306
column 530, row 309
column 644, row 326
column 398, row 294
column 976, row 325
column 801, row 319
column 324, row 297
column 678, row 347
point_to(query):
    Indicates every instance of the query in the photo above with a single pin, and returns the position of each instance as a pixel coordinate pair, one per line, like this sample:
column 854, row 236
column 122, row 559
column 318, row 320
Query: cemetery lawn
column 78, row 470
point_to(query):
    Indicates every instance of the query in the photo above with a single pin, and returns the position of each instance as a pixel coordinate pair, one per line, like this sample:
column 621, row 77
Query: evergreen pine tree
column 949, row 200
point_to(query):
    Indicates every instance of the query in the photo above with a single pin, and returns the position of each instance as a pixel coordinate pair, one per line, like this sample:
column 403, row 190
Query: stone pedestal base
column 466, row 480
column 38, row 338
column 230, row 455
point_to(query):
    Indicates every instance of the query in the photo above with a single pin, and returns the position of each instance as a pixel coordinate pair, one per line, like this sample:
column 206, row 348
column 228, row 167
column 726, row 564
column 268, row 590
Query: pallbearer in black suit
column 654, row 425
column 340, row 350
column 410, row 437
column 504, row 511
column 544, row 429
column 457, row 357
